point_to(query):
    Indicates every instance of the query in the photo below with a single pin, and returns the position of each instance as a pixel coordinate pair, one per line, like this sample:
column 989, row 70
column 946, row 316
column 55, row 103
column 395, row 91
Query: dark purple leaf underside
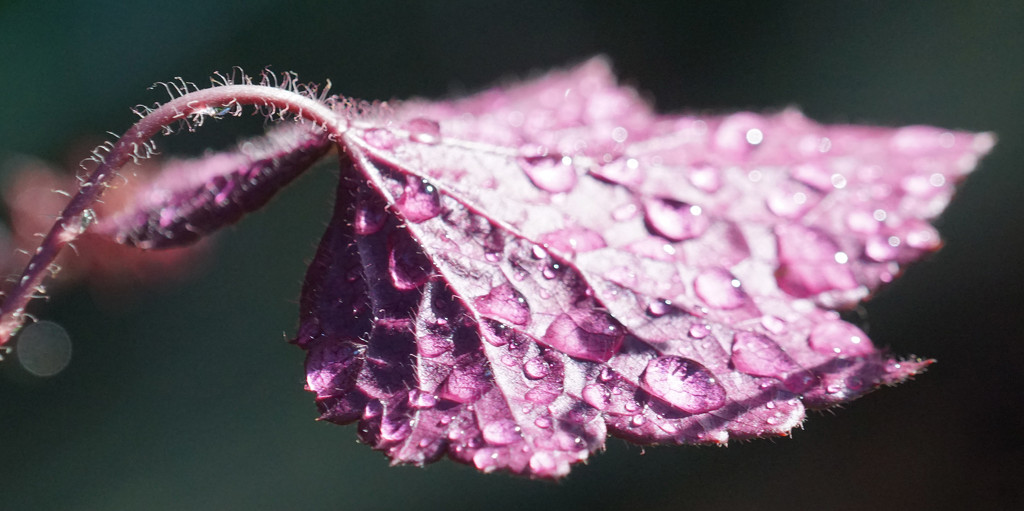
column 510, row 277
column 193, row 198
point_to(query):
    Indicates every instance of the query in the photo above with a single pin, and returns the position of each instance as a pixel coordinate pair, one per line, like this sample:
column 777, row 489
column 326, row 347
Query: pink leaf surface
column 511, row 277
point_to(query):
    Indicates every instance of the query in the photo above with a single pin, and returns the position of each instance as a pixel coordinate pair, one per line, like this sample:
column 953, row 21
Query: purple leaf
column 510, row 277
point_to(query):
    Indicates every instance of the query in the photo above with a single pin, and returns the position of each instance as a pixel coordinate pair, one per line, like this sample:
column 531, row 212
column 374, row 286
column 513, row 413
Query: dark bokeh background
column 187, row 397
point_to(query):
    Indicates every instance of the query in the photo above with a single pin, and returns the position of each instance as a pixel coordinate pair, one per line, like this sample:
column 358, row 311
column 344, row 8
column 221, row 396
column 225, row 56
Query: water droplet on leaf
column 419, row 399
column 658, row 308
column 551, row 174
column 536, row 368
column 759, row 355
column 504, row 303
column 408, row 267
column 699, row 331
column 840, row 337
column 425, row 131
column 683, row 383
column 717, row 288
column 573, row 240
column 593, row 335
column 543, row 394
column 675, row 220
column 597, row 396
column 501, row 432
column 380, row 138
column 773, row 324
column 369, row 217
column 705, row 178
column 419, row 201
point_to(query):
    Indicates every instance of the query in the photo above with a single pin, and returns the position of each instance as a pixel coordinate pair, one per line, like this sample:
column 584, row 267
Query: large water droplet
column 658, row 308
column 799, row 244
column 552, row 174
column 625, row 212
column 419, row 399
column 505, row 303
column 380, row 138
column 501, row 432
column 803, row 280
column 573, row 240
column 810, row 262
column 683, row 383
column 627, row 171
column 419, row 201
column 719, row 289
column 369, row 217
column 592, row 335
column 543, row 394
column 705, row 177
column 408, row 267
column 597, row 396
column 467, row 381
column 486, row 459
column 496, row 333
column 791, row 200
column 739, row 133
column 423, row 130
column 536, row 368
column 840, row 338
column 675, row 220
column 551, row 271
column 865, row 221
column 699, row 330
column 758, row 355
column 882, row 248
column 919, row 235
column 813, row 175
column 773, row 324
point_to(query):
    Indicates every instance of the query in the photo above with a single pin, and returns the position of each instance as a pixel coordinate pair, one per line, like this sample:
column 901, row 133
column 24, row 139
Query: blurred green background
column 188, row 397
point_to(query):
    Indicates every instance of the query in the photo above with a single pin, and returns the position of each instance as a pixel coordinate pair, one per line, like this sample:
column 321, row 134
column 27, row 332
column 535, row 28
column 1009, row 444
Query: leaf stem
column 194, row 106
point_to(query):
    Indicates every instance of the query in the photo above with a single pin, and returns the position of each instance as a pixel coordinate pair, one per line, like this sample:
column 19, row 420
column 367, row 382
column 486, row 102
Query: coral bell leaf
column 509, row 278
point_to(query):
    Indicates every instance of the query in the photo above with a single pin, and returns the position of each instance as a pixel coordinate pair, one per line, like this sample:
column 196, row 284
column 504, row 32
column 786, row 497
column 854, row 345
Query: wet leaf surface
column 509, row 278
